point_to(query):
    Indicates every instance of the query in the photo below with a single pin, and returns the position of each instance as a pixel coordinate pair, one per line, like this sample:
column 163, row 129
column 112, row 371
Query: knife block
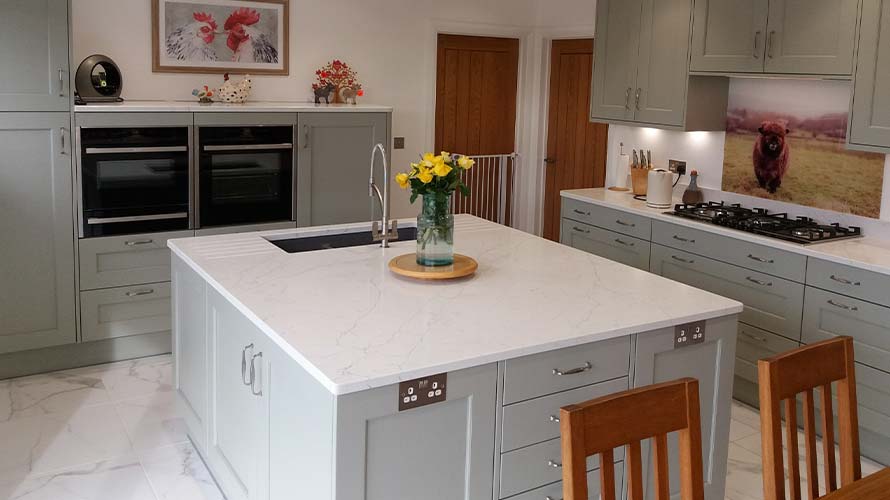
column 640, row 179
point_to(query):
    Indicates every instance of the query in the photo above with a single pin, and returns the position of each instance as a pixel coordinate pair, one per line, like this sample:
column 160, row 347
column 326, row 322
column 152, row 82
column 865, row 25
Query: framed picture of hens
column 219, row 36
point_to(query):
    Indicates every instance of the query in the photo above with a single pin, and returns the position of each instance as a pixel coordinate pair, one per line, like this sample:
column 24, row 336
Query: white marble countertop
column 865, row 253
column 219, row 107
column 354, row 325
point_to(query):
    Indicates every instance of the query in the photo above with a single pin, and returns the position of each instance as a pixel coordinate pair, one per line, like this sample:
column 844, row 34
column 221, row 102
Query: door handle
column 574, row 371
column 136, row 243
column 555, row 465
column 769, row 44
column 625, row 243
column 244, row 363
column 253, row 384
column 625, row 224
column 844, row 281
column 842, row 306
column 761, row 259
column 757, row 43
column 305, row 136
column 139, row 293
column 579, row 230
column 637, row 98
column 627, row 98
column 554, row 419
column 549, row 161
column 62, row 133
column 61, row 82
column 758, row 282
column 685, row 261
column 683, row 240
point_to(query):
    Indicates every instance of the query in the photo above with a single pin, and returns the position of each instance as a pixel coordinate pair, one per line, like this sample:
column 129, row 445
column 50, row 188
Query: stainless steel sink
column 341, row 240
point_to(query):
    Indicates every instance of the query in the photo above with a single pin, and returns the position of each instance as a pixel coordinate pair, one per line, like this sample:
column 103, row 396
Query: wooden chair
column 625, row 419
column 782, row 378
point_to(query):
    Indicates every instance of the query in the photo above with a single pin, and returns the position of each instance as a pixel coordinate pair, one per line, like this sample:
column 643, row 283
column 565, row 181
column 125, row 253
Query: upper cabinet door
column 662, row 75
column 615, row 59
column 870, row 124
column 729, row 35
column 811, row 36
column 34, row 57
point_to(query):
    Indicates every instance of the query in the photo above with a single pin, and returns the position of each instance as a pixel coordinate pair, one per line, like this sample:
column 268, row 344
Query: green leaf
column 414, row 197
column 464, row 190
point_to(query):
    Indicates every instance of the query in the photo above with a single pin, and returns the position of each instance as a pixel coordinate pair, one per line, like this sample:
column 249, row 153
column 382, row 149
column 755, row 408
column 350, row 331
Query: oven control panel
column 422, row 391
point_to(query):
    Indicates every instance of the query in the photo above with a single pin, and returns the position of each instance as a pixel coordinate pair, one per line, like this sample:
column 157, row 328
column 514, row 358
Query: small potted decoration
column 435, row 178
column 336, row 82
column 204, row 95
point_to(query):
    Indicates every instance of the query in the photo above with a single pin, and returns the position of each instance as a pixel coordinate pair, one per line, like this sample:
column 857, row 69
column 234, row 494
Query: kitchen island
column 321, row 375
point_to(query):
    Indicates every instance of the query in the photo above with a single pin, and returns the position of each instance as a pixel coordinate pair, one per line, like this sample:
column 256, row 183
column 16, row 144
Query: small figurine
column 204, row 95
column 235, row 92
column 324, row 92
column 348, row 93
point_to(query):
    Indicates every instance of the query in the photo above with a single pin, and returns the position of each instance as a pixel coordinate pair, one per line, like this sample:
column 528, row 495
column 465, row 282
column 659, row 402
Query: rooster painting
column 192, row 41
column 247, row 43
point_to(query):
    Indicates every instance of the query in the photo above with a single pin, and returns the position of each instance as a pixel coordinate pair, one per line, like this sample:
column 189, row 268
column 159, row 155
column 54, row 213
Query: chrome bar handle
column 637, row 98
column 769, row 44
column 253, row 389
column 756, row 44
column 685, row 261
column 627, row 98
column 761, row 259
column 842, row 306
column 580, row 230
column 305, row 136
column 758, row 282
column 554, row 419
column 574, row 371
column 581, row 212
column 844, row 281
column 625, row 224
column 548, row 497
column 555, row 465
column 139, row 293
column 137, row 150
column 62, row 133
column 683, row 240
column 61, row 82
column 136, row 243
column 625, row 243
column 244, row 363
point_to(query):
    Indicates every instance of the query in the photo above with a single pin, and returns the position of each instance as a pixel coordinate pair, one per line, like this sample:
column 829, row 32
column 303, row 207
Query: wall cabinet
column 810, row 37
column 37, row 302
column 35, row 56
column 870, row 116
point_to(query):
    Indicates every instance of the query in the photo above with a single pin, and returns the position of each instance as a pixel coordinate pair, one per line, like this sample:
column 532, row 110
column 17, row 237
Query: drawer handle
column 244, row 363
column 754, row 337
column 845, row 281
column 548, row 497
column 554, row 419
column 574, row 371
column 625, row 224
column 625, row 243
column 253, row 389
column 761, row 259
column 579, row 230
column 139, row 293
column 136, row 243
column 581, row 212
column 842, row 306
column 555, row 465
column 683, row 240
column 685, row 261
column 758, row 282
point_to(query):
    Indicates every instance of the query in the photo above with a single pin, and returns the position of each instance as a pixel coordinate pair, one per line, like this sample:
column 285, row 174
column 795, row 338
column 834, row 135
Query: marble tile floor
column 111, row 432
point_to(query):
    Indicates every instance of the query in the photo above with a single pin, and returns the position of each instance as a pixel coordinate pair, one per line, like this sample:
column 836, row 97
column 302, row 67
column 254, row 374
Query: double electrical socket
column 677, row 166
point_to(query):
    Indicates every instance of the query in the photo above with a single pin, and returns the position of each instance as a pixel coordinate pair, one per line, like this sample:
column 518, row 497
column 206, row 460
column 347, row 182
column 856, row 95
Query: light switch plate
column 689, row 334
column 422, row 391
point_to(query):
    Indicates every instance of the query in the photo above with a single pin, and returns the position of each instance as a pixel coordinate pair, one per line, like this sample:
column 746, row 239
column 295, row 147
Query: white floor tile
column 49, row 393
column 132, row 379
column 111, row 480
column 152, row 421
column 177, row 473
column 739, row 430
column 743, row 478
column 745, row 414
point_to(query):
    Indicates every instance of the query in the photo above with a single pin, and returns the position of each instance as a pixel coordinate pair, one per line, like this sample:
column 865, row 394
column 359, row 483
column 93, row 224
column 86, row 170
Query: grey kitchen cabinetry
column 755, row 344
column 554, row 490
column 126, row 260
column 848, row 280
column 334, row 148
column 190, row 351
column 870, row 115
column 640, row 73
column 774, row 36
column 124, row 311
column 37, row 255
column 657, row 360
column 613, row 246
column 606, row 218
column 35, row 56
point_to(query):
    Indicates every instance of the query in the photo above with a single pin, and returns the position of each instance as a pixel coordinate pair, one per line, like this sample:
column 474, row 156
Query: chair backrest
column 782, row 379
column 626, row 419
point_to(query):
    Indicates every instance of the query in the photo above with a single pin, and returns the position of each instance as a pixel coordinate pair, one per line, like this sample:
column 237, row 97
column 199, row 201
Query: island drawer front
column 126, row 260
column 538, row 375
column 771, row 303
column 537, row 420
column 554, row 491
column 752, row 256
column 125, row 311
column 607, row 244
column 847, row 280
column 535, row 466
column 607, row 218
column 828, row 315
column 755, row 344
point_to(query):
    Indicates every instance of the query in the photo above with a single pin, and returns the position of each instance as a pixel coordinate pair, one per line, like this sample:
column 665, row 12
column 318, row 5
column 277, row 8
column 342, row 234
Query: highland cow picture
column 785, row 141
column 220, row 36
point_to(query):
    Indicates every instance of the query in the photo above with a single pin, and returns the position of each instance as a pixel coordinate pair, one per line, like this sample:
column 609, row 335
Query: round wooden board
column 406, row 265
column 615, row 188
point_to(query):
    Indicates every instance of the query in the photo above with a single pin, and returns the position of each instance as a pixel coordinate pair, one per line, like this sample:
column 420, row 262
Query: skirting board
column 63, row 357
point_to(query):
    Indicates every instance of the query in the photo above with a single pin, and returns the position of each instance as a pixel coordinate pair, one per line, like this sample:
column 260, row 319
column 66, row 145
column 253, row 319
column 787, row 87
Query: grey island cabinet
column 321, row 375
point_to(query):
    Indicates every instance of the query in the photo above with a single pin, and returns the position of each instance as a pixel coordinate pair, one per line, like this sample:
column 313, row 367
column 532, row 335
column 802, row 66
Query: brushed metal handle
column 548, row 497
column 62, row 133
column 139, row 293
column 136, row 243
column 842, row 306
column 637, row 98
column 249, row 147
column 147, row 149
column 758, row 282
column 305, row 136
column 555, row 465
column 61, row 82
column 769, row 44
column 754, row 337
column 761, row 259
column 244, row 363
column 845, row 281
column 625, row 224
column 574, row 371
column 683, row 240
column 685, row 261
column 136, row 218
column 756, row 43
column 625, row 243
column 581, row 212
column 579, row 230
column 627, row 98
column 554, row 419
column 253, row 378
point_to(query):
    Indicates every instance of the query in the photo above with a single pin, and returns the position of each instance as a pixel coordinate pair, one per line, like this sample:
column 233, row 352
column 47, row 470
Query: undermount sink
column 340, row 240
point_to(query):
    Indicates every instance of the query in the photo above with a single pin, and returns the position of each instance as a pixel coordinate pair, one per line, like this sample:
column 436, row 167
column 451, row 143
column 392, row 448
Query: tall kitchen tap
column 387, row 233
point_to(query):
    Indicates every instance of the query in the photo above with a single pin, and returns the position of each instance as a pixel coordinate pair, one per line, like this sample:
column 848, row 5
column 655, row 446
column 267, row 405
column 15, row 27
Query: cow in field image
column 772, row 155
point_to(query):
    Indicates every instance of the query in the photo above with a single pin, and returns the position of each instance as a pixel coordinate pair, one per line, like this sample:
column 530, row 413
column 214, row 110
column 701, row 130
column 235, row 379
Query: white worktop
column 865, row 253
column 354, row 325
column 219, row 107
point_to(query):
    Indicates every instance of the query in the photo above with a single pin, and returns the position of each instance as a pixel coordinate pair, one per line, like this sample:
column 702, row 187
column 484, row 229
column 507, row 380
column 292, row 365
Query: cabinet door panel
column 615, row 59
column 729, row 35
column 34, row 34
column 870, row 125
column 190, row 350
column 125, row 311
column 37, row 253
column 754, row 344
column 811, row 36
column 612, row 246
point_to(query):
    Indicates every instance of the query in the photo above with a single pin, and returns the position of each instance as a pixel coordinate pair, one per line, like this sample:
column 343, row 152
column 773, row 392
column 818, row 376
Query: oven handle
column 249, row 147
column 136, row 218
column 152, row 149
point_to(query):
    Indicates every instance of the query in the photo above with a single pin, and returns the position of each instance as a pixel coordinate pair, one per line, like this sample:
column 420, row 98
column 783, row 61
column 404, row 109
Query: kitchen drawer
column 755, row 344
column 535, row 420
column 607, row 218
column 554, row 491
column 539, row 374
column 752, row 256
column 607, row 244
column 126, row 260
column 848, row 280
column 125, row 311
column 828, row 315
column 538, row 465
column 771, row 303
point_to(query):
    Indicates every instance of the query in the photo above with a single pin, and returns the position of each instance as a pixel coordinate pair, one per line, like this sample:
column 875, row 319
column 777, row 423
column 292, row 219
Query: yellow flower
column 446, row 156
column 441, row 169
column 465, row 163
column 425, row 175
column 402, row 179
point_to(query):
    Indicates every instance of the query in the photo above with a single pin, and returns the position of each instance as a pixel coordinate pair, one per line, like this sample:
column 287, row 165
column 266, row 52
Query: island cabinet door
column 443, row 451
column 190, row 350
column 711, row 363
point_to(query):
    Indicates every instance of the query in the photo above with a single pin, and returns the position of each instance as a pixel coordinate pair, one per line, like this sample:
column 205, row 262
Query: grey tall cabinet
column 870, row 120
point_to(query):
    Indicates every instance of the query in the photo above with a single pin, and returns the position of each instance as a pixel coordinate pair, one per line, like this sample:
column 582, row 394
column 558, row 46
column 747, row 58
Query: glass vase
column 435, row 231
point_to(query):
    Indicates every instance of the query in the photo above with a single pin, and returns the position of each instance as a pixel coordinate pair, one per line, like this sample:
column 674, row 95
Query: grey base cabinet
column 613, row 246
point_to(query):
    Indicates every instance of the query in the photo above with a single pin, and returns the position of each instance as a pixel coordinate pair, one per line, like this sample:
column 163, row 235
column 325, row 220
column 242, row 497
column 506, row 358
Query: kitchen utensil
column 660, row 188
column 406, row 265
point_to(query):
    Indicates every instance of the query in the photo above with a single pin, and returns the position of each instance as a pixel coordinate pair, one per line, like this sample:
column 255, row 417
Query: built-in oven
column 133, row 179
column 245, row 175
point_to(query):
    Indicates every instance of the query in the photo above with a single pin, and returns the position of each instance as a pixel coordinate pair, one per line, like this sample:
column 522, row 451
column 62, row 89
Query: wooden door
column 615, row 71
column 729, row 35
column 576, row 148
column 870, row 125
column 811, row 36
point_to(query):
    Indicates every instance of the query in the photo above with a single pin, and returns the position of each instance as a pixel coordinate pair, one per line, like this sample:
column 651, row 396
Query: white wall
column 391, row 43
